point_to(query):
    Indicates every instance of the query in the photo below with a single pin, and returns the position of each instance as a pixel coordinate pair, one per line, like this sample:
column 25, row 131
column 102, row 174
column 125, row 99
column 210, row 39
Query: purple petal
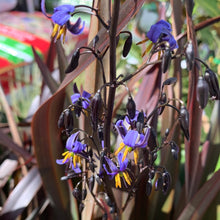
column 65, row 8
column 108, row 173
column 111, row 165
column 162, row 29
column 75, row 88
column 60, row 17
column 86, row 95
column 76, row 169
column 78, row 147
column 85, row 103
column 123, row 165
column 133, row 119
column 75, row 97
column 143, row 139
column 43, row 8
column 164, row 24
column 121, row 128
column 60, row 161
column 130, row 138
column 75, row 28
column 71, row 140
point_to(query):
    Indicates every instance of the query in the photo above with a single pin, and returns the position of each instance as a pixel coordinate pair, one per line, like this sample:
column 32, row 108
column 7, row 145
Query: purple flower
column 75, row 149
column 61, row 18
column 84, row 98
column 161, row 31
column 117, row 172
column 132, row 140
column 80, row 102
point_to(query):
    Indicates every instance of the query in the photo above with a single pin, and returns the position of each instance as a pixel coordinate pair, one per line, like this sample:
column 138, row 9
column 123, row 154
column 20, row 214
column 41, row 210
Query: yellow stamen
column 79, row 159
column 74, row 160
column 135, row 156
column 127, row 178
column 121, row 146
column 68, row 155
column 117, row 181
column 125, row 153
column 62, row 31
column 65, row 153
column 55, row 29
column 143, row 41
column 159, row 55
column 148, row 49
column 86, row 113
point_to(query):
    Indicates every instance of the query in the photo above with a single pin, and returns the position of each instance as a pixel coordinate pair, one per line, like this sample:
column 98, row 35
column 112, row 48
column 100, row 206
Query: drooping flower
column 161, row 31
column 118, row 172
column 132, row 140
column 80, row 101
column 75, row 149
column 61, row 18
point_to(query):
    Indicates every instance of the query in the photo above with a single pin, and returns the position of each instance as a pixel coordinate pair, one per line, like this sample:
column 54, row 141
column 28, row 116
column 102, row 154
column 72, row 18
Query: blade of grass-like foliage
column 48, row 147
column 7, row 142
column 7, row 167
column 62, row 59
column 202, row 199
column 211, row 149
column 195, row 115
column 13, row 127
column 46, row 136
column 22, row 195
column 48, row 79
column 51, row 56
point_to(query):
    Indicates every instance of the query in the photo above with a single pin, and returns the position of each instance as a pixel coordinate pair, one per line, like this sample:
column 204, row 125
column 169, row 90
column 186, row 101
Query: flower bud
column 166, row 60
column 108, row 200
column 159, row 183
column 78, row 108
column 152, row 141
column 131, row 107
column 169, row 81
column 184, row 121
column 148, row 187
column 84, row 194
column 75, row 88
column 60, row 122
column 202, row 92
column 189, row 55
column 212, row 81
column 140, row 122
column 91, row 183
column 127, row 46
column 68, row 120
column 77, row 193
column 81, row 207
column 74, row 62
column 167, row 132
column 166, row 182
column 96, row 109
column 162, row 101
column 174, row 150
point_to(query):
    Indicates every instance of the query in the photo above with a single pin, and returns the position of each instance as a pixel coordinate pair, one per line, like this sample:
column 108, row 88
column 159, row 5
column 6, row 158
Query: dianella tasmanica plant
column 120, row 141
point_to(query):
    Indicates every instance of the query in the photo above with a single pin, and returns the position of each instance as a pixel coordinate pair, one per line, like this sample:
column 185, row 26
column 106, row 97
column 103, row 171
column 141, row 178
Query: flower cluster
column 129, row 157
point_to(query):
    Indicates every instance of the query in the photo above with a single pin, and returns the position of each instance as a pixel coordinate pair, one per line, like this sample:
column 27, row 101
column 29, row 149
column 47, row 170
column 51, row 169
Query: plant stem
column 111, row 96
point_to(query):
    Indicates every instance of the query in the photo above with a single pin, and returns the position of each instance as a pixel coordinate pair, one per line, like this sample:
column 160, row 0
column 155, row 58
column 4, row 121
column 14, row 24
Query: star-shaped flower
column 118, row 172
column 132, row 140
column 75, row 149
column 61, row 18
column 80, row 101
column 161, row 31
